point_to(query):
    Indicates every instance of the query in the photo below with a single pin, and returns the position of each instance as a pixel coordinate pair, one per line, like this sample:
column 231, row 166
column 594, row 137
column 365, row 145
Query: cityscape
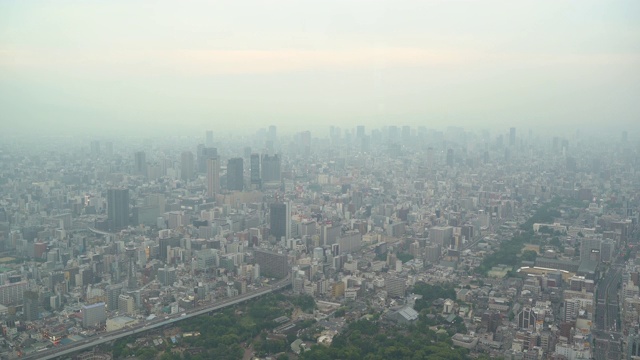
column 320, row 180
column 501, row 244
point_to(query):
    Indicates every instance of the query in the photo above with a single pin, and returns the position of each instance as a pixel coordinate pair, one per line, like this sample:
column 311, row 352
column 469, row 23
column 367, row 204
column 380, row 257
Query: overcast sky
column 93, row 66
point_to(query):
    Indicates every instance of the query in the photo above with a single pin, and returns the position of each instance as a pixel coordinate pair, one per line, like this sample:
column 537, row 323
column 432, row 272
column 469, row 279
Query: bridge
column 88, row 343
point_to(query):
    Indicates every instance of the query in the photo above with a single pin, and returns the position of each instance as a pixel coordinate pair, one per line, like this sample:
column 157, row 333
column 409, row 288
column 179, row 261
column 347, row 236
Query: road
column 156, row 323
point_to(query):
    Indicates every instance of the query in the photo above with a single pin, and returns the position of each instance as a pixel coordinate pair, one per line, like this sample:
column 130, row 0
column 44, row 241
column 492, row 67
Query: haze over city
column 155, row 67
column 316, row 180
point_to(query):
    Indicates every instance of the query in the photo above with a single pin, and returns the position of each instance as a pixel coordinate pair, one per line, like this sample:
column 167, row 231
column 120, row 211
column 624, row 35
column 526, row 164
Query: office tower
column 209, row 139
column 271, row 264
column 126, row 304
column 213, row 177
column 625, row 136
column 441, row 235
column 132, row 280
column 349, row 242
column 395, row 286
column 30, row 307
column 167, row 276
column 187, row 166
column 140, row 163
column 270, row 169
column 255, row 170
column 205, row 153
column 112, row 294
column 406, row 133
column 93, row 315
column 280, row 220
column 118, row 208
column 527, row 319
column 95, row 148
column 512, row 136
column 360, row 131
column 449, row 157
column 491, row 320
column 305, row 143
column 235, row 172
column 430, row 157
column 590, row 249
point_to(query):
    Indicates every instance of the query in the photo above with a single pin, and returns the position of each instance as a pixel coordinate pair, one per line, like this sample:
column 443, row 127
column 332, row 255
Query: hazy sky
column 179, row 65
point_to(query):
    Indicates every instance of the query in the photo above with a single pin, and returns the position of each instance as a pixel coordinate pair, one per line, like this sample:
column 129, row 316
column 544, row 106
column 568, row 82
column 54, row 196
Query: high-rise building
column 12, row 293
column 209, row 138
column 395, row 286
column 118, row 208
column 441, row 235
column 140, row 163
column 187, row 165
column 512, row 136
column 360, row 131
column 126, row 304
column 93, row 315
column 30, row 307
column 255, row 170
column 450, row 159
column 271, row 264
column 205, row 153
column 235, row 174
column 112, row 294
column 132, row 279
column 527, row 319
column 270, row 169
column 213, row 177
column 167, row 276
column 280, row 220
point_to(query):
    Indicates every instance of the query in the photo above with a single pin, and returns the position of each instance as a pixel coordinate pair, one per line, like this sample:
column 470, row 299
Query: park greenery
column 222, row 333
column 371, row 340
column 510, row 252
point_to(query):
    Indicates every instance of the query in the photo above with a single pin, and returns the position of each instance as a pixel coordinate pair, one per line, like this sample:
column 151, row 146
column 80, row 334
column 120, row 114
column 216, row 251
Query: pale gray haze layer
column 185, row 66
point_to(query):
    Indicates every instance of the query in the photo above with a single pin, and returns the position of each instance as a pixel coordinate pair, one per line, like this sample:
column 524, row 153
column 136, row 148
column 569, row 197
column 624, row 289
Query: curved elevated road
column 156, row 323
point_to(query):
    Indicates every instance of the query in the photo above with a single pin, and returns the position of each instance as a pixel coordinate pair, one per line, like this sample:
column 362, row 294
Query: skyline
column 76, row 67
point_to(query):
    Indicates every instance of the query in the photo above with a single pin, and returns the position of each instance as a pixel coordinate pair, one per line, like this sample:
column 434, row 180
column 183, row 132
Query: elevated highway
column 88, row 343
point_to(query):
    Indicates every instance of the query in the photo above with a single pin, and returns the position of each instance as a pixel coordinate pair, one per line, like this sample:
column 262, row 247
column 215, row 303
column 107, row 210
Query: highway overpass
column 89, row 343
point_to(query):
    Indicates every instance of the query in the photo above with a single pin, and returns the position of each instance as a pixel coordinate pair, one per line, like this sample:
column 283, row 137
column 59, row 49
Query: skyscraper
column 512, row 136
column 280, row 220
column 167, row 276
column 270, row 169
column 235, row 174
column 112, row 294
column 93, row 315
column 213, row 177
column 450, row 157
column 209, row 138
column 30, row 308
column 187, row 165
column 271, row 264
column 205, row 153
column 140, row 165
column 118, row 208
column 132, row 279
column 255, row 170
